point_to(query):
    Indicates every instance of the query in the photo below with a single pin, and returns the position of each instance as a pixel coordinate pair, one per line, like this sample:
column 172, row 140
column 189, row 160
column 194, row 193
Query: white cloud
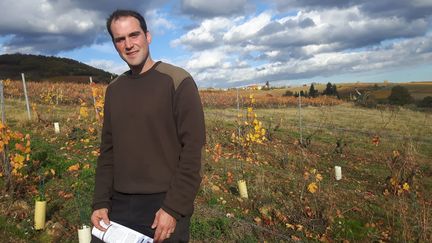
column 53, row 26
column 309, row 43
column 158, row 22
column 401, row 54
column 248, row 29
column 209, row 33
column 109, row 65
column 38, row 15
column 206, row 59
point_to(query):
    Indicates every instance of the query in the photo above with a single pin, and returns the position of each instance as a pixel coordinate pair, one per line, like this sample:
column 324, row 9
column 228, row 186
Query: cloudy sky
column 227, row 43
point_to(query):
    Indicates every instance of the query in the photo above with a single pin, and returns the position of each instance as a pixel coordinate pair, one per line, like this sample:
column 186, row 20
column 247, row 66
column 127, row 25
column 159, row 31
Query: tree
column 288, row 93
column 312, row 91
column 334, row 89
column 329, row 89
column 266, row 86
column 400, row 96
column 426, row 102
column 302, row 93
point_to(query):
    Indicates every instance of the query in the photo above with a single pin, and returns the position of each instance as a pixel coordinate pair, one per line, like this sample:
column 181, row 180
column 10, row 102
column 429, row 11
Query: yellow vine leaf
column 396, row 154
column 312, row 187
column 393, row 181
column 83, row 112
column 306, row 175
column 376, row 140
column 19, row 159
column 17, row 135
column 19, row 147
column 74, row 167
column 290, row 226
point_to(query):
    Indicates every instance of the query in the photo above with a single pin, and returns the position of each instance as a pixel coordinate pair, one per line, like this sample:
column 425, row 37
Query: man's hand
column 98, row 215
column 164, row 224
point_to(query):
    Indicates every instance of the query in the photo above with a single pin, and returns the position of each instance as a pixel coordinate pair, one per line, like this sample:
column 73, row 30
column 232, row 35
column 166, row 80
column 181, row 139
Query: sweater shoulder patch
column 176, row 73
column 118, row 77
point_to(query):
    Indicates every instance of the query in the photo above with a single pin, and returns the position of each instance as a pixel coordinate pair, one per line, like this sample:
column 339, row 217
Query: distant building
column 254, row 87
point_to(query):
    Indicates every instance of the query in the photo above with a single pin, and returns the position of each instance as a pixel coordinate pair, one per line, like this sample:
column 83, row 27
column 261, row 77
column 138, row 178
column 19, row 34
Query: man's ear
column 149, row 37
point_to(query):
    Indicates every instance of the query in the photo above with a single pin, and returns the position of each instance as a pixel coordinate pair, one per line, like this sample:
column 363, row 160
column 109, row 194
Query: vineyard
column 285, row 154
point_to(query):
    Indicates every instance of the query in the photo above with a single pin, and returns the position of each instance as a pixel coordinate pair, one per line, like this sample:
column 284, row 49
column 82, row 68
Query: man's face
column 130, row 41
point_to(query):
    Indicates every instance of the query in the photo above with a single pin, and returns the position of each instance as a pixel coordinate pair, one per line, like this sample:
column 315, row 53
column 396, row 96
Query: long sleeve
column 104, row 169
column 189, row 118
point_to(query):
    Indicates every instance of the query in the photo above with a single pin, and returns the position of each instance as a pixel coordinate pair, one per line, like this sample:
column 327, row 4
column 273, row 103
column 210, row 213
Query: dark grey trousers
column 137, row 211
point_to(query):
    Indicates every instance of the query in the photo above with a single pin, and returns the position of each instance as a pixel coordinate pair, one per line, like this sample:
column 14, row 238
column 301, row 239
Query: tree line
column 330, row 90
column 399, row 96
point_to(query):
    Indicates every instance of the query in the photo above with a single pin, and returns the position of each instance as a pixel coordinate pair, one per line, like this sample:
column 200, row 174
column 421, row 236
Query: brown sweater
column 152, row 137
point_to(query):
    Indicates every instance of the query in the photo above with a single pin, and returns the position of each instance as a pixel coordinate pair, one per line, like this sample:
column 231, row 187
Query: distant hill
column 45, row 68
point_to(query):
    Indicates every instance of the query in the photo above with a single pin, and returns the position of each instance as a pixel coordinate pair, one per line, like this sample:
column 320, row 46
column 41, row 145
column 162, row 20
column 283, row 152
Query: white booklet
column 117, row 233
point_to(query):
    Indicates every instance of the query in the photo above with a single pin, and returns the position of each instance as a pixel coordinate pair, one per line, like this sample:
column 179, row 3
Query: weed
column 215, row 228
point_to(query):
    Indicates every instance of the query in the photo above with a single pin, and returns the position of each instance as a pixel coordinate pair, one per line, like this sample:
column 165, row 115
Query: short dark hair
column 125, row 13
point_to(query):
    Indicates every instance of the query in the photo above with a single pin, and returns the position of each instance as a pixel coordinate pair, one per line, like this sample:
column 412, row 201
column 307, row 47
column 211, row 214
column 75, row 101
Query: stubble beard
column 137, row 68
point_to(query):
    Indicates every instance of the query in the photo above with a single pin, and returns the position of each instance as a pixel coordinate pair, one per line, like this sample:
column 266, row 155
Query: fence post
column 300, row 121
column 26, row 96
column 238, row 111
column 94, row 99
column 3, row 117
column 3, row 155
column 238, row 129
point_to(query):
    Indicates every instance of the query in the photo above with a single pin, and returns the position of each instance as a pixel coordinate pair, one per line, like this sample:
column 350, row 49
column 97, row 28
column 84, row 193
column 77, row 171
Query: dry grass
column 396, row 121
column 280, row 206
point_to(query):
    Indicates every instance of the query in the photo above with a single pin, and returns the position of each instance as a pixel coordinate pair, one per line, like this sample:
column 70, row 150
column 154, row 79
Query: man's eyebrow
column 135, row 33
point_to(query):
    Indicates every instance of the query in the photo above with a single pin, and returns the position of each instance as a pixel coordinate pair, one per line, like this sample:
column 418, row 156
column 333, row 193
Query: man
column 148, row 171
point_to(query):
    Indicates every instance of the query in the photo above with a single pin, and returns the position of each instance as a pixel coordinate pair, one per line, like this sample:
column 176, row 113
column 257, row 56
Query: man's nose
column 128, row 43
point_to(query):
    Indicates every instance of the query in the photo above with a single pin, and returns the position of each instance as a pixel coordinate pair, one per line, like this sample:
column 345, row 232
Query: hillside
column 38, row 68
column 378, row 91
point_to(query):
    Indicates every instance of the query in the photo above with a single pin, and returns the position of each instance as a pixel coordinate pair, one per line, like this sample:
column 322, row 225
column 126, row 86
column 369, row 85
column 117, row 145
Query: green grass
column 275, row 179
column 352, row 229
column 212, row 228
column 9, row 232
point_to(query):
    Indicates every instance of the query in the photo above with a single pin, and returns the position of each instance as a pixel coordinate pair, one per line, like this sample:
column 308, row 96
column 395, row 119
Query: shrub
column 400, row 96
column 288, row 93
column 426, row 102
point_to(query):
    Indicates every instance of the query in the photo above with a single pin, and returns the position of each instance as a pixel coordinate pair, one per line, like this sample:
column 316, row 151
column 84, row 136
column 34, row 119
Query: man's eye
column 134, row 35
